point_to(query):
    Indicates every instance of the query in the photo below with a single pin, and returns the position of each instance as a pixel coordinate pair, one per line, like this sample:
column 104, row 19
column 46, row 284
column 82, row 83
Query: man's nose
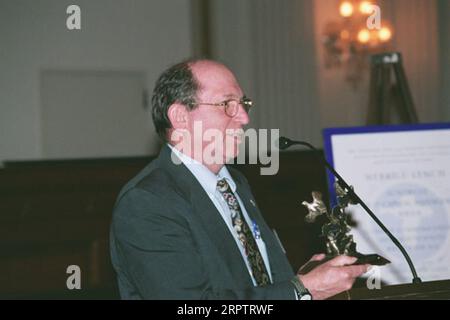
column 242, row 116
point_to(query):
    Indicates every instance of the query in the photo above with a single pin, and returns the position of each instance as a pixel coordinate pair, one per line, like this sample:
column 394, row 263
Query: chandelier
column 358, row 33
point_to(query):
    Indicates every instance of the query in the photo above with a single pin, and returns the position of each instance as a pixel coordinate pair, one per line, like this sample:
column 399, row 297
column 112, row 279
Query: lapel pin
column 253, row 202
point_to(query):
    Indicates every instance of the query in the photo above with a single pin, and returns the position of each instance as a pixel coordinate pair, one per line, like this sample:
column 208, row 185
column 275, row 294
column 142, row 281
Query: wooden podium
column 433, row 290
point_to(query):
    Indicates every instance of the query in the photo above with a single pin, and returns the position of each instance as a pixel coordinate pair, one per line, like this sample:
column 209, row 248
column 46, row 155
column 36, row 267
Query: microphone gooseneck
column 284, row 143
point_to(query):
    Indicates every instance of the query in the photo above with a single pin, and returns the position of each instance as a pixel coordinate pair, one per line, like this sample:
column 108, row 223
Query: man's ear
column 178, row 117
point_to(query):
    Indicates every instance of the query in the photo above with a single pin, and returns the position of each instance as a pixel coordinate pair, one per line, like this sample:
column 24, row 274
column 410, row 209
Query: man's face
column 220, row 133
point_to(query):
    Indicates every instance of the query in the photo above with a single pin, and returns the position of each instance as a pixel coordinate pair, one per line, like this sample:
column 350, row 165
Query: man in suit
column 187, row 226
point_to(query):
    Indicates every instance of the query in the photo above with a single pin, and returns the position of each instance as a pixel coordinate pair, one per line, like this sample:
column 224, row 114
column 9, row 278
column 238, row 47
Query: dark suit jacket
column 168, row 241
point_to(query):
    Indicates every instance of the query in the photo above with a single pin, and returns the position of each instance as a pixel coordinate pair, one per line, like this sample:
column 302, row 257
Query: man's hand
column 332, row 277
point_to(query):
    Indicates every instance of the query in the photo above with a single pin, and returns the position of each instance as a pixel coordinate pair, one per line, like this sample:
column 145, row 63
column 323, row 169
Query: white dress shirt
column 208, row 180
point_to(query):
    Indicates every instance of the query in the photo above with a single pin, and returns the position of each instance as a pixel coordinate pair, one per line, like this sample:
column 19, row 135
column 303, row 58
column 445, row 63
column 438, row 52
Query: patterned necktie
column 245, row 235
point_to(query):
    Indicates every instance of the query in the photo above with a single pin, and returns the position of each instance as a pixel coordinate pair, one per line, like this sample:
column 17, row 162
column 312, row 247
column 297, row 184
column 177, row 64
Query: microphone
column 284, row 143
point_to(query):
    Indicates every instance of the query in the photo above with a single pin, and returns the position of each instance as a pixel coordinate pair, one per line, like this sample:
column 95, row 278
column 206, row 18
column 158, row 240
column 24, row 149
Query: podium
column 432, row 290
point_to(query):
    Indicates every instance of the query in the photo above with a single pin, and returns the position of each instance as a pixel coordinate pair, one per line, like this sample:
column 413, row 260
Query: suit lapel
column 211, row 220
column 219, row 234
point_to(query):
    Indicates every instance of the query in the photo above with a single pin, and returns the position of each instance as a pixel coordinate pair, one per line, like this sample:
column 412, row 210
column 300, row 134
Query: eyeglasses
column 231, row 105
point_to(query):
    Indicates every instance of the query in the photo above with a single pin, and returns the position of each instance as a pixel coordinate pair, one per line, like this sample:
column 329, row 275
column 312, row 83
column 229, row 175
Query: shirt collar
column 205, row 177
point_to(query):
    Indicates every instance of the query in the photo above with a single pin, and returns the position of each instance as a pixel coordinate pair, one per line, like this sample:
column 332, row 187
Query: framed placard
column 402, row 172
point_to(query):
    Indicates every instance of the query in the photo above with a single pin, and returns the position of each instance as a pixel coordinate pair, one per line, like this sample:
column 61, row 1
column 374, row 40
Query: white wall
column 340, row 104
column 117, row 35
column 270, row 46
column 276, row 49
column 416, row 36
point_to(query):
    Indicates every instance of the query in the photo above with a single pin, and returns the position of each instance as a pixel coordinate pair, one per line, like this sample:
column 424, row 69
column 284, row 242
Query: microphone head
column 284, row 143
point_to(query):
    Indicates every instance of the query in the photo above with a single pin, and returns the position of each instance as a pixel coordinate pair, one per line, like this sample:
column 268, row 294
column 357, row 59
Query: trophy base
column 372, row 259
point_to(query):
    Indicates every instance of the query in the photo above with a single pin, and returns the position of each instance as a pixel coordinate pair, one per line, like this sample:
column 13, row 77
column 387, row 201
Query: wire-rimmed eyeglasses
column 231, row 105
